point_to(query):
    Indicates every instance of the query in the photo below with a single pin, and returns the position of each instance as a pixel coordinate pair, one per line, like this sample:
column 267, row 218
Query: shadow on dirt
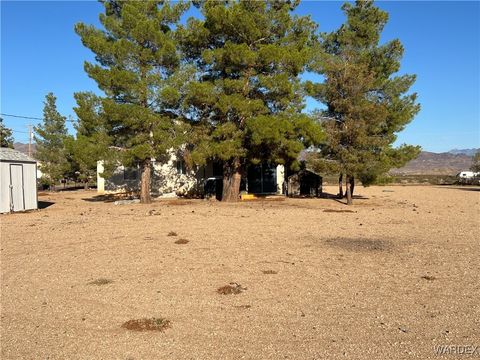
column 45, row 204
column 360, row 244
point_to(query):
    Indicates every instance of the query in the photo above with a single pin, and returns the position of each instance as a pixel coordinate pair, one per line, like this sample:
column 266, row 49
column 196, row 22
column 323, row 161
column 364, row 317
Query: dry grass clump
column 100, row 282
column 232, row 288
column 153, row 324
column 176, row 202
column 338, row 211
column 172, row 233
column 181, row 241
column 269, row 272
column 243, row 306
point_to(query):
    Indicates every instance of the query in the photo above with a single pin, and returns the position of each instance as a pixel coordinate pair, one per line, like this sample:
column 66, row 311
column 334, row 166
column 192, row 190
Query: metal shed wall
column 26, row 194
column 4, row 187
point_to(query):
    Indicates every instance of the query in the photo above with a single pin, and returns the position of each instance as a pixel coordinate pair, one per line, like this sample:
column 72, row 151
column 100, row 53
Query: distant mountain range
column 24, row 148
column 427, row 163
column 469, row 152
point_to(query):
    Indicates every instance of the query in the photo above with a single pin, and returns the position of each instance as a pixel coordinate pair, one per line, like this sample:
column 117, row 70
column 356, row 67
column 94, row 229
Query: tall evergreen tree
column 366, row 103
column 137, row 59
column 245, row 105
column 50, row 138
column 6, row 138
column 92, row 141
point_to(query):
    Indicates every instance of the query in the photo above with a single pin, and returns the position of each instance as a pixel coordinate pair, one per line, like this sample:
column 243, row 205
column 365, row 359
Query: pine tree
column 366, row 103
column 245, row 105
column 137, row 61
column 92, row 140
column 50, row 136
column 6, row 138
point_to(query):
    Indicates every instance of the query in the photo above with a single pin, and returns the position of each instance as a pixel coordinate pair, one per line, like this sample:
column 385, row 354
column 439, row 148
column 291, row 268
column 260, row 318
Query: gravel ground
column 393, row 279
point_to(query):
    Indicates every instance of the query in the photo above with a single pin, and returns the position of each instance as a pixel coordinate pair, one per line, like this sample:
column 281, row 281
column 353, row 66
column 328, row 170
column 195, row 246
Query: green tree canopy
column 6, row 138
column 92, row 140
column 367, row 104
column 50, row 138
column 137, row 65
column 246, row 101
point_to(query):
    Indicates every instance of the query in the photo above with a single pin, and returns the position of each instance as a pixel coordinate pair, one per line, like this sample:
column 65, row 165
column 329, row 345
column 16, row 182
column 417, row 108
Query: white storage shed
column 18, row 181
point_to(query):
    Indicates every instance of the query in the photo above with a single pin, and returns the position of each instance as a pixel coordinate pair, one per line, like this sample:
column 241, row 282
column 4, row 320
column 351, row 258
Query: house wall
column 100, row 179
column 166, row 179
column 280, row 178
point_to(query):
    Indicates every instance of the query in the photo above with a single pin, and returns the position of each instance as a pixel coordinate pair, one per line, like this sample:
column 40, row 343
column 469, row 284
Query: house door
column 17, row 201
column 262, row 179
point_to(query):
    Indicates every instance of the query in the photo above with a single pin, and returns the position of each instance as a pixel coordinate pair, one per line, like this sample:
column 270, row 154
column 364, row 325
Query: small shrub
column 153, row 324
column 172, row 233
column 428, row 277
column 181, row 241
column 269, row 272
column 100, row 281
column 243, row 306
column 232, row 288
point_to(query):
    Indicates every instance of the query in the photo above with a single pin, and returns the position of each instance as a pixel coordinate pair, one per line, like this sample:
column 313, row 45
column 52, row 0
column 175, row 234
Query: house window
column 181, row 169
column 130, row 174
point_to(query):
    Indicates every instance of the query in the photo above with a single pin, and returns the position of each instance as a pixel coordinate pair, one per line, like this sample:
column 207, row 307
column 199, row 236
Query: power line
column 22, row 117
column 30, row 117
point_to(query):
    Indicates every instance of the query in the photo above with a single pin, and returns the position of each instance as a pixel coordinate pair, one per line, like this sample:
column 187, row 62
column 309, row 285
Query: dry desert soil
column 394, row 277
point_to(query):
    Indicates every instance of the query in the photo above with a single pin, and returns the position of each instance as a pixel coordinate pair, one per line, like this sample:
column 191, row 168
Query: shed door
column 16, row 187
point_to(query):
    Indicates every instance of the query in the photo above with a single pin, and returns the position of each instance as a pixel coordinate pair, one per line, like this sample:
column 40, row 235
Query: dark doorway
column 262, row 179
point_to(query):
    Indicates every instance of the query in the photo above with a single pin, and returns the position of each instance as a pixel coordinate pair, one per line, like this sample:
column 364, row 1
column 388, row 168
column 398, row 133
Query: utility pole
column 30, row 140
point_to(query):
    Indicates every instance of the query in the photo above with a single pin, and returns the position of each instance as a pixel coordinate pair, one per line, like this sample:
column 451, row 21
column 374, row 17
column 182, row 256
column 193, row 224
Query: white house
column 172, row 178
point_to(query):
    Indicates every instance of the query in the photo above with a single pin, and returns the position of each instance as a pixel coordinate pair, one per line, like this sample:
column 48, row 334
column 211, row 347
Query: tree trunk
column 340, row 186
column 85, row 185
column 231, row 180
column 145, row 197
column 348, row 190
column 352, row 184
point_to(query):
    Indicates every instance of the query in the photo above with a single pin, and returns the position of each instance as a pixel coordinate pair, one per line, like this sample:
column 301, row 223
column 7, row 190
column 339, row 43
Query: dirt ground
column 393, row 279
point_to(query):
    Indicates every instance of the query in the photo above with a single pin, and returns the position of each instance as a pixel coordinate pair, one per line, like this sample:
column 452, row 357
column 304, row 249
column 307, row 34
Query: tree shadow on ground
column 108, row 198
column 45, row 204
column 335, row 197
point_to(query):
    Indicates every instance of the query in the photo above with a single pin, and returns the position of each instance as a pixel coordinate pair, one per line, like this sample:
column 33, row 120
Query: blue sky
column 40, row 53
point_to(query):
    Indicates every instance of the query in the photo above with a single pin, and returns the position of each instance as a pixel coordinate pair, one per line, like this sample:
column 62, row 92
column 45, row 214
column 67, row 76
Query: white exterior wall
column 166, row 181
column 29, row 174
column 280, row 178
column 4, row 187
column 30, row 186
column 100, row 179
